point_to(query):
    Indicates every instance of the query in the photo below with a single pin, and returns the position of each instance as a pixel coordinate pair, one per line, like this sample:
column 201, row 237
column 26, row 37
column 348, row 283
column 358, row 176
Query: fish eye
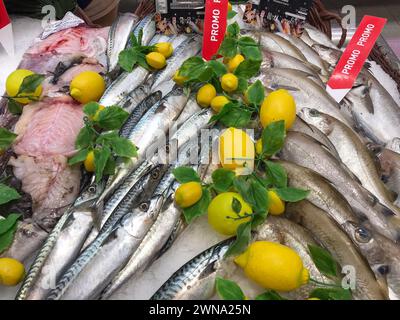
column 384, row 270
column 144, row 206
column 156, row 173
column 314, row 113
column 167, row 148
column 92, row 189
column 362, row 235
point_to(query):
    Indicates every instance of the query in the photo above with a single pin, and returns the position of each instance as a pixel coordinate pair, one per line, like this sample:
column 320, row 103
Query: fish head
column 91, row 193
column 317, row 119
column 328, row 54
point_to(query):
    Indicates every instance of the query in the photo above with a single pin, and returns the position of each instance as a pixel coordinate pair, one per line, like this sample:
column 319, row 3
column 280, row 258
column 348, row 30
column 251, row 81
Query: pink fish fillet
column 49, row 127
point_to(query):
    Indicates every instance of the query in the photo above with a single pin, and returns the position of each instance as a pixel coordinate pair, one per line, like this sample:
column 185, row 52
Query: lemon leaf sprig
column 6, row 138
column 228, row 290
column 135, row 54
column 101, row 135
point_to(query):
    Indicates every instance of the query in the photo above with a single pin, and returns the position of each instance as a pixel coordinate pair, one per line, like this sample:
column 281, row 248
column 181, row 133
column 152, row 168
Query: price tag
column 354, row 57
column 6, row 33
column 215, row 22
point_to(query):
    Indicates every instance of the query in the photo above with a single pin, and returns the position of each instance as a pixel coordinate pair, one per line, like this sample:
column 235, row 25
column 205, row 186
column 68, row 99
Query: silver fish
column 130, row 201
column 56, row 250
column 118, row 37
column 311, row 56
column 188, row 48
column 301, row 126
column 150, row 129
column 307, row 152
column 312, row 35
column 325, row 196
column 196, row 279
column 304, row 90
column 148, row 26
column 272, row 59
column 330, row 236
column 353, row 154
column 273, row 42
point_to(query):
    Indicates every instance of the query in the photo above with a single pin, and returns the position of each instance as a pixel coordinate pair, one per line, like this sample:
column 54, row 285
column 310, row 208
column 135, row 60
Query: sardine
column 148, row 26
column 329, row 235
column 307, row 152
column 312, row 35
column 130, row 201
column 118, row 37
column 353, row 154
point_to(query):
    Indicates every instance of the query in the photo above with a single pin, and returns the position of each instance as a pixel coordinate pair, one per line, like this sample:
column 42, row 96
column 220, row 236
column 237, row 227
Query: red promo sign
column 4, row 19
column 215, row 22
column 354, row 57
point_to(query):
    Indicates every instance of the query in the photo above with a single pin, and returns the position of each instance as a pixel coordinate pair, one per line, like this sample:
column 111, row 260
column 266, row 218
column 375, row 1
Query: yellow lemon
column 229, row 6
column 222, row 216
column 89, row 162
column 180, row 80
column 156, row 60
column 188, row 194
column 205, row 95
column 165, row 48
column 313, row 299
column 14, row 81
column 259, row 146
column 273, row 266
column 278, row 105
column 218, row 103
column 87, row 86
column 276, row 205
column 11, row 272
column 96, row 116
column 229, row 82
column 234, row 62
column 236, row 151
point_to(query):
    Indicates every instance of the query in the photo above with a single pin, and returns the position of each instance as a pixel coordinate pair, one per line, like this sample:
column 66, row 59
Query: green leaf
column 233, row 30
column 251, row 53
column 236, row 205
column 248, row 69
column 223, row 179
column 331, row 294
column 243, row 85
column 253, row 192
column 228, row 290
column 276, row 174
column 273, row 138
column 7, row 238
column 233, row 115
column 191, row 64
column 86, row 137
column 30, row 84
column 14, row 107
column 270, row 295
column 112, row 118
column 323, row 260
column 228, row 47
column 109, row 169
column 231, row 14
column 7, row 223
column 292, row 194
column 245, row 42
column 79, row 157
column 91, row 108
column 243, row 236
column 127, row 59
column 256, row 93
column 123, row 148
column 7, row 194
column 199, row 208
column 140, row 37
column 185, row 174
column 6, row 138
column 134, row 41
column 218, row 67
column 101, row 157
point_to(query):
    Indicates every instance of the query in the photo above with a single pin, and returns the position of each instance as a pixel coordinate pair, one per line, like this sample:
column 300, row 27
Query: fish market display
column 116, row 141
